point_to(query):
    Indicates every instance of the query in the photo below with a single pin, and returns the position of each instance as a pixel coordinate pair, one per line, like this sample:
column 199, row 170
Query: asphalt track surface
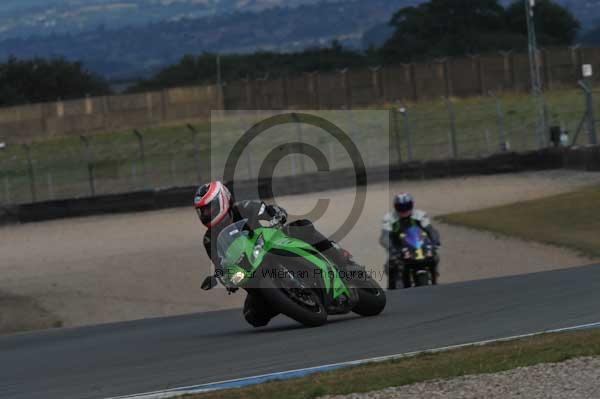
column 149, row 355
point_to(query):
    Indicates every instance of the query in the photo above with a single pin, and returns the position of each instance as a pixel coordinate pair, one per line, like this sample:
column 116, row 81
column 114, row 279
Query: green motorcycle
column 291, row 276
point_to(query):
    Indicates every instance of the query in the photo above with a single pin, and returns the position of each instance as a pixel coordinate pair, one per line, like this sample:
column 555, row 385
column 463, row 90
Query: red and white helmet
column 212, row 202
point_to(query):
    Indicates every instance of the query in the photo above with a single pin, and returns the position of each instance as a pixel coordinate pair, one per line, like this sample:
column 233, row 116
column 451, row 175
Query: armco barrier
column 584, row 158
column 580, row 158
column 8, row 215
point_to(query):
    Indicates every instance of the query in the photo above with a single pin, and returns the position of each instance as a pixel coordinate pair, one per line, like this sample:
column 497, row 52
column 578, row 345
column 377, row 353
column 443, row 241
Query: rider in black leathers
column 217, row 210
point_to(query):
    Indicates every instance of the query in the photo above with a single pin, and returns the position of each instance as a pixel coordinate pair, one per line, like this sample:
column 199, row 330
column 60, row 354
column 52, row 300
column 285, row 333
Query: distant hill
column 20, row 18
column 130, row 38
column 141, row 50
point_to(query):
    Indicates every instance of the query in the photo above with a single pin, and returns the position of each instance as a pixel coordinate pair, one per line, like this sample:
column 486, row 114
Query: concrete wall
column 468, row 76
column 587, row 158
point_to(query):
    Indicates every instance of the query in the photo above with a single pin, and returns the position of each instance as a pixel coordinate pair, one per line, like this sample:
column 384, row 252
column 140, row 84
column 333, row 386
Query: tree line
column 39, row 80
column 438, row 28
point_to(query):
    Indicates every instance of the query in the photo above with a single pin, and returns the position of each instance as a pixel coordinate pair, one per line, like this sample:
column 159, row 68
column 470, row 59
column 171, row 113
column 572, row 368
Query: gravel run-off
column 572, row 379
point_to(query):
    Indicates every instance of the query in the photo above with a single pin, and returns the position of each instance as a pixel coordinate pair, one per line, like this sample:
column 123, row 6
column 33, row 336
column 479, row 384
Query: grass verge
column 569, row 220
column 493, row 358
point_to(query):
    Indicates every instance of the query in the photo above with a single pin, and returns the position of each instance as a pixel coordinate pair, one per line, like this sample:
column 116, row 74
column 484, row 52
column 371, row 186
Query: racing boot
column 256, row 311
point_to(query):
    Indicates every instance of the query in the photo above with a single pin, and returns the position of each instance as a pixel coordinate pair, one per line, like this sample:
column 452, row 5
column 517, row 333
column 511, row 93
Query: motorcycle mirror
column 209, row 283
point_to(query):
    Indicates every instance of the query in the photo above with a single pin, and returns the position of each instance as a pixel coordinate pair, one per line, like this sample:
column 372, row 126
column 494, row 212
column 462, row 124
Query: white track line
column 284, row 375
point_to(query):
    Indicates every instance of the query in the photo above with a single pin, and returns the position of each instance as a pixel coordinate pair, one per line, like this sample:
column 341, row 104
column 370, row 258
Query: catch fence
column 150, row 158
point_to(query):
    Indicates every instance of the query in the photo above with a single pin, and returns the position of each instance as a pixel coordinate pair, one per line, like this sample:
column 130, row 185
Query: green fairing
column 276, row 239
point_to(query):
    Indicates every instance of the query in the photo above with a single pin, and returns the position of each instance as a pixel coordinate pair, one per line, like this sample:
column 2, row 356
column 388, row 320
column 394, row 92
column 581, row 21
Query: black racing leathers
column 255, row 310
column 254, row 211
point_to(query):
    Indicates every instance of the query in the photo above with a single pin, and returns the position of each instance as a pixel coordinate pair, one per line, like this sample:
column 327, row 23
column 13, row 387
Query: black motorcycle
column 415, row 262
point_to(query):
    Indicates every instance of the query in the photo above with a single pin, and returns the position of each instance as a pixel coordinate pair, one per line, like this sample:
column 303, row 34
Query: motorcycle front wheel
column 291, row 299
column 371, row 297
column 421, row 278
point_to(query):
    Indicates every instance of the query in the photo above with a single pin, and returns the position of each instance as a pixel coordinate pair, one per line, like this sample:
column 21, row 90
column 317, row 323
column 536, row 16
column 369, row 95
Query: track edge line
column 298, row 373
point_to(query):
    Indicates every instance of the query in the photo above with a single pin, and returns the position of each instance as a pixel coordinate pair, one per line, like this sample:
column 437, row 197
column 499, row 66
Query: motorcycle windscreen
column 413, row 237
column 231, row 243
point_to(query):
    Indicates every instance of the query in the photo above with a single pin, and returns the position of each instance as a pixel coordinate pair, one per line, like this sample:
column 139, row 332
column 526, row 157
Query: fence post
column 508, row 67
column 50, row 186
column 353, row 127
column 173, row 171
column 376, row 83
column 448, row 77
column 90, row 164
column 140, row 138
column 481, row 71
column 313, row 89
column 262, row 100
column 407, row 133
column 347, row 88
column 317, row 82
column 196, row 151
column 383, row 84
column 105, row 117
column 501, row 123
column 476, row 61
column 7, row 189
column 487, row 142
column 149, row 107
column 164, row 104
column 300, row 140
column 248, row 93
column 331, row 154
column 394, row 126
column 452, row 114
column 546, row 121
column 446, row 73
column 309, row 90
column 30, row 172
column 413, row 80
column 250, row 162
column 576, row 60
column 591, row 118
column 284, row 93
column 547, row 69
